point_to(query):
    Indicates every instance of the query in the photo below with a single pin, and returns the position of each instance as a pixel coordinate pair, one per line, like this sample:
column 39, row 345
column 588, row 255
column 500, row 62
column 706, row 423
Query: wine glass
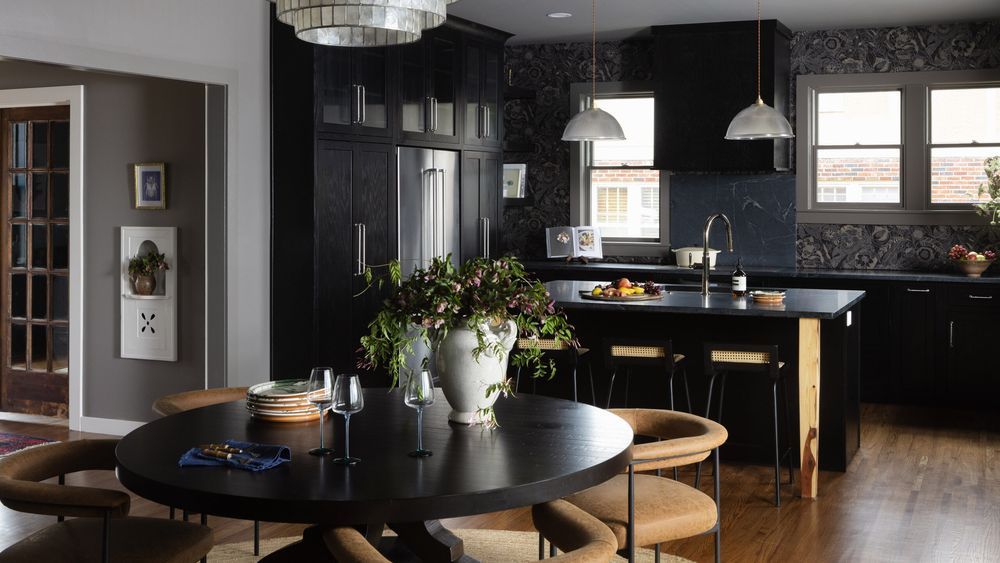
column 319, row 392
column 418, row 394
column 347, row 400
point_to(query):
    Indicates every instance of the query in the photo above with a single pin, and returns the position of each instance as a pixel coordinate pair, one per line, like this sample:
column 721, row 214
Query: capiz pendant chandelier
column 361, row 23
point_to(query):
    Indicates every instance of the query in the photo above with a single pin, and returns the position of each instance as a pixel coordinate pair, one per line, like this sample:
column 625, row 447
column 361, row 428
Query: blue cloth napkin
column 255, row 457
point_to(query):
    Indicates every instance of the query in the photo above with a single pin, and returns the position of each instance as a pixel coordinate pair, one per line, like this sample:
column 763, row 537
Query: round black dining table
column 545, row 449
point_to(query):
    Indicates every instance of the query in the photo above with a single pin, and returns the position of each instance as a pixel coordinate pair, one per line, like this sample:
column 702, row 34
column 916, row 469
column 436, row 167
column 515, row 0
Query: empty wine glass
column 319, row 391
column 419, row 393
column 347, row 400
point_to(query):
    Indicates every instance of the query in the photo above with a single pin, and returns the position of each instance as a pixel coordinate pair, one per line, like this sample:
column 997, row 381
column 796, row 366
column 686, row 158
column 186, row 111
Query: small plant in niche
column 142, row 271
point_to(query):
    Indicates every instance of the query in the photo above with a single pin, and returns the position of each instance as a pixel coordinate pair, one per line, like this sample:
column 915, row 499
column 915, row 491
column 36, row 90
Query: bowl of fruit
column 624, row 290
column 972, row 263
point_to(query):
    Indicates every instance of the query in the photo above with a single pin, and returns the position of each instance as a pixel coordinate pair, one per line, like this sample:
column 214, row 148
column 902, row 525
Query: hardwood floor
column 925, row 486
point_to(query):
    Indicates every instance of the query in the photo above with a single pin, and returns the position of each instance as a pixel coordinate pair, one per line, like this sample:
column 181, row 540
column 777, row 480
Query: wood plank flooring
column 925, row 486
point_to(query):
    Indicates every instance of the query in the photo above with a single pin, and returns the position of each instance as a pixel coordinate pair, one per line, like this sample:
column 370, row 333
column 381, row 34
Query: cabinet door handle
column 482, row 122
column 486, row 110
column 951, row 334
column 363, row 101
column 911, row 290
column 434, row 115
column 362, row 249
column 484, row 226
column 980, row 297
column 355, row 101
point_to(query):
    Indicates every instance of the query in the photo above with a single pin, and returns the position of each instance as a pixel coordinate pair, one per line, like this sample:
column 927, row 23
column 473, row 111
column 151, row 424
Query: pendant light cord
column 758, row 53
column 593, row 55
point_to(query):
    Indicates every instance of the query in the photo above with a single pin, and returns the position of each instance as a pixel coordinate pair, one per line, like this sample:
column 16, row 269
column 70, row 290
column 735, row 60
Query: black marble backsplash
column 766, row 233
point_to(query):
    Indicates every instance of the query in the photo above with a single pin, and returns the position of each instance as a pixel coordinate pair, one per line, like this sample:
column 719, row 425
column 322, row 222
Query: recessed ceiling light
column 560, row 15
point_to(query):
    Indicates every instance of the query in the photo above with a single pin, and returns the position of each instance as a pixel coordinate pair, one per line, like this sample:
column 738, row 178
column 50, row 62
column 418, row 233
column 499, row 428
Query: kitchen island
column 816, row 330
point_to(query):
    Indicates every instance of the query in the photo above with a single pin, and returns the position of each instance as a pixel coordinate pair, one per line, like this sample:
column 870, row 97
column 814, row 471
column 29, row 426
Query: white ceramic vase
column 464, row 378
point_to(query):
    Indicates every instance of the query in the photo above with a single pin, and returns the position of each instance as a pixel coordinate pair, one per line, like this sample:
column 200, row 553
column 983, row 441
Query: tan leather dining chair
column 644, row 509
column 101, row 529
column 584, row 538
column 188, row 400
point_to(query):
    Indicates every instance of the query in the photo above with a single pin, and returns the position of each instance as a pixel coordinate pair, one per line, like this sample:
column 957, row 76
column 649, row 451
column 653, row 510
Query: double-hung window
column 613, row 184
column 895, row 148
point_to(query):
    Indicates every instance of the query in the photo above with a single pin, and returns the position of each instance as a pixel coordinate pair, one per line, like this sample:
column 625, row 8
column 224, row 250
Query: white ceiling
column 618, row 19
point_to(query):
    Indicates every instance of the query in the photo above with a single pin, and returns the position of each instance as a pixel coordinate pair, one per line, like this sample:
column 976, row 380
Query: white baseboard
column 110, row 426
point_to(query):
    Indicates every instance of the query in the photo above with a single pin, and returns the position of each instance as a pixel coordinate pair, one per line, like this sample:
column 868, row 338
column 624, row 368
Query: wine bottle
column 739, row 280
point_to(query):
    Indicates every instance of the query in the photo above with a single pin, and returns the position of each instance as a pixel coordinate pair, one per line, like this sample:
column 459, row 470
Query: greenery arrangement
column 991, row 209
column 147, row 265
column 482, row 292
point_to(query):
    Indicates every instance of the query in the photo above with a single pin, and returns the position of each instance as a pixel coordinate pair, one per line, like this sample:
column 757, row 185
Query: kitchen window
column 895, row 148
column 613, row 184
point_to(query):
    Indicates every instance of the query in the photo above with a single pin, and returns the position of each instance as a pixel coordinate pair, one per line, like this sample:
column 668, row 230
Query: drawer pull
column 980, row 297
column 911, row 290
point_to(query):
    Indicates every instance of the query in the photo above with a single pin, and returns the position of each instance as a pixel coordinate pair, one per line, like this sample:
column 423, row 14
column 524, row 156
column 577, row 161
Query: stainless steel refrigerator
column 429, row 212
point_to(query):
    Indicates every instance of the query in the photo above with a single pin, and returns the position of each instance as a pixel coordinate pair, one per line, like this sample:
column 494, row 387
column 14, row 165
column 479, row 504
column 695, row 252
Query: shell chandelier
column 361, row 23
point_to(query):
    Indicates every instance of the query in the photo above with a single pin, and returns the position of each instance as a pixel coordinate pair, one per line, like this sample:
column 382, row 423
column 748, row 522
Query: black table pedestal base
column 415, row 541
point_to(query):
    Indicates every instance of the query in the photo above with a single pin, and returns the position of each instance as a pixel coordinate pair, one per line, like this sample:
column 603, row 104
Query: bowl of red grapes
column 970, row 262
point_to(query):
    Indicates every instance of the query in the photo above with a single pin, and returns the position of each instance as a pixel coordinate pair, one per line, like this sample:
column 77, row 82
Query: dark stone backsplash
column 766, row 233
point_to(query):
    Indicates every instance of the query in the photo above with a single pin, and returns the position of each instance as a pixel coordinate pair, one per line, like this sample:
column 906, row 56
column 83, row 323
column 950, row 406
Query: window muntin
column 964, row 132
column 623, row 187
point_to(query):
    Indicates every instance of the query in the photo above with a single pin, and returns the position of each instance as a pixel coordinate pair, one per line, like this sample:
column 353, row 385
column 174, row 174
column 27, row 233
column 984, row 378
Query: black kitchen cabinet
column 914, row 354
column 973, row 378
column 352, row 90
column 354, row 185
column 480, row 199
column 429, row 73
column 704, row 75
column 483, row 93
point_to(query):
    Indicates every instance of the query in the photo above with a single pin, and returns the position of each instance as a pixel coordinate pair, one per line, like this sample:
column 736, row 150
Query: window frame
column 580, row 153
column 915, row 206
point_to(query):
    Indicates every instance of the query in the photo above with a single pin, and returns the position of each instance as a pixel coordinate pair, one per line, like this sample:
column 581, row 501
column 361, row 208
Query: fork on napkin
column 233, row 453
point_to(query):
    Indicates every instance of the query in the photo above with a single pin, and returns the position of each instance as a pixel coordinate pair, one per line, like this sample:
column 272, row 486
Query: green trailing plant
column 147, row 265
column 482, row 292
column 991, row 209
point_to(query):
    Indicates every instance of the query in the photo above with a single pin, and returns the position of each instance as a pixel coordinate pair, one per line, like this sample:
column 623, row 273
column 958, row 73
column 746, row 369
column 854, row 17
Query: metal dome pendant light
column 759, row 121
column 593, row 124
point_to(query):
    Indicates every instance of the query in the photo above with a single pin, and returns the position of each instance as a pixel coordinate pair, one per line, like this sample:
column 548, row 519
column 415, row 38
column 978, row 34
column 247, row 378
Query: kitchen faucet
column 705, row 257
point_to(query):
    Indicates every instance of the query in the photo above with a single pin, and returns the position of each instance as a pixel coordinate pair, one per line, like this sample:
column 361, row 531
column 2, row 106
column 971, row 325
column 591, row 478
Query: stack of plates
column 285, row 400
column 768, row 297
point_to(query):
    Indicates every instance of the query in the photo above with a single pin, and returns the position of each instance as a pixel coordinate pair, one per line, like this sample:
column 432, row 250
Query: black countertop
column 764, row 271
column 799, row 303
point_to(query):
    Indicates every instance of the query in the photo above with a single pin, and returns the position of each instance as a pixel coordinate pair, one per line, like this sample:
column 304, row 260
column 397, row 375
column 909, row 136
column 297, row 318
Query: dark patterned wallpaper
column 550, row 69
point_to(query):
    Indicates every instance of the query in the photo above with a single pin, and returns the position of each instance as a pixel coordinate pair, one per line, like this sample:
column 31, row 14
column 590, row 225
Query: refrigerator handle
column 435, row 220
column 440, row 210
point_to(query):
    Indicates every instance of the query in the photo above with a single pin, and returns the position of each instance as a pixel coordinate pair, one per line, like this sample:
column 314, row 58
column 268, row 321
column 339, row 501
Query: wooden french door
column 34, row 266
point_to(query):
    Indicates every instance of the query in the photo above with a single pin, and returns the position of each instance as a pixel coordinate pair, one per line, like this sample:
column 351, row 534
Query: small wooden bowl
column 973, row 268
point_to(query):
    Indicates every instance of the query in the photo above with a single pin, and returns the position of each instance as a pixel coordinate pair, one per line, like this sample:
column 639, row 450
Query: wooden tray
column 768, row 298
column 643, row 297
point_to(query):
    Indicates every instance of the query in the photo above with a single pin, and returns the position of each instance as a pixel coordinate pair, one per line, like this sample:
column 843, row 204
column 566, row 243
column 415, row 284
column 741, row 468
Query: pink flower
column 438, row 323
column 441, row 307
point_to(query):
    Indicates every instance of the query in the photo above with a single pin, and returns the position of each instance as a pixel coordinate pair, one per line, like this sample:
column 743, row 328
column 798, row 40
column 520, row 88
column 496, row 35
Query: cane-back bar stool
column 724, row 359
column 654, row 354
column 560, row 352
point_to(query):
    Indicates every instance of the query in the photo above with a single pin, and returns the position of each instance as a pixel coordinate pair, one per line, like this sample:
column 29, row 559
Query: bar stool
column 627, row 353
column 722, row 359
column 557, row 351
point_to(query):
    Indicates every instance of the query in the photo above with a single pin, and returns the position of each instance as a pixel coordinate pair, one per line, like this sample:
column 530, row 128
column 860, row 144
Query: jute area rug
column 488, row 546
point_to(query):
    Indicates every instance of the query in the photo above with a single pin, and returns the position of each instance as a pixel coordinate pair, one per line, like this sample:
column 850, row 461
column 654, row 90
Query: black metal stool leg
column 541, row 546
column 184, row 515
column 256, row 537
column 777, row 447
column 788, row 432
column 172, row 513
column 656, row 553
column 708, row 415
column 575, row 397
column 722, row 395
column 590, row 374
column 670, row 386
column 552, row 549
column 687, row 390
column 628, row 380
column 204, row 519
column 611, row 388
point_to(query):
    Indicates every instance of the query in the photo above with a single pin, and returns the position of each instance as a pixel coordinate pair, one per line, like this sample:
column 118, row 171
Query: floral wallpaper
column 550, row 69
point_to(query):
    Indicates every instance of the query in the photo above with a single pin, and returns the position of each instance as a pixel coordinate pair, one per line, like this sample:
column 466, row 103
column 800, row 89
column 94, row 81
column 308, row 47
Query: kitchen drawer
column 974, row 295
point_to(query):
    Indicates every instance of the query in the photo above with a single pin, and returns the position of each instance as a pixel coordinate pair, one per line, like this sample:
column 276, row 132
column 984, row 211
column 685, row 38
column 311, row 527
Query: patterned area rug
column 488, row 546
column 10, row 443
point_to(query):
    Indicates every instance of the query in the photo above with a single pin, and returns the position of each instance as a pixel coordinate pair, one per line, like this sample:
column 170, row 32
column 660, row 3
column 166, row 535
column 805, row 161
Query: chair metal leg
column 256, row 537
column 777, row 447
column 106, row 542
column 631, row 514
column 611, row 388
column 708, row 414
column 656, row 554
column 590, row 374
column 552, row 549
column 718, row 506
column 185, row 515
column 204, row 519
column 541, row 546
column 62, row 481
column 788, row 442
column 670, row 387
column 687, row 390
column 173, row 513
column 722, row 395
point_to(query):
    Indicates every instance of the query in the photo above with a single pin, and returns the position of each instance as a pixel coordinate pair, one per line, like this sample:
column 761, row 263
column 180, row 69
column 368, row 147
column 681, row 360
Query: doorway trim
column 72, row 96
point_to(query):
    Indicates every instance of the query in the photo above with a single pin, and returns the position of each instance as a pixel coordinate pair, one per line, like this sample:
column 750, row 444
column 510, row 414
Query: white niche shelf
column 148, row 322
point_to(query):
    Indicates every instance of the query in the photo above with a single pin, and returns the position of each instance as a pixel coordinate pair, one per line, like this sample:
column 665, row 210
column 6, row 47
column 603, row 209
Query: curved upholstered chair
column 101, row 529
column 584, row 538
column 646, row 509
column 188, row 400
column 180, row 402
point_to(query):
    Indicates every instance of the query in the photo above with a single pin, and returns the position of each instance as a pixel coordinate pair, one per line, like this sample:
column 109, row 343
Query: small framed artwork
column 150, row 185
column 514, row 180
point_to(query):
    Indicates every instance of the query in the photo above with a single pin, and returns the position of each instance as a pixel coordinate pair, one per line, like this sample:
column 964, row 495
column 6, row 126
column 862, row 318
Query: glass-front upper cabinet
column 352, row 90
column 428, row 88
column 483, row 94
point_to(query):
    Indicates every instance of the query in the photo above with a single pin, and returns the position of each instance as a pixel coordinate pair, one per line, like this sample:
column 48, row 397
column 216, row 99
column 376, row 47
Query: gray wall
column 135, row 119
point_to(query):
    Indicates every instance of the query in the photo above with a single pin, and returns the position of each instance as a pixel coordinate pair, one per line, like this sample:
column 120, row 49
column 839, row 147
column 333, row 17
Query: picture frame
column 150, row 190
column 514, row 180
